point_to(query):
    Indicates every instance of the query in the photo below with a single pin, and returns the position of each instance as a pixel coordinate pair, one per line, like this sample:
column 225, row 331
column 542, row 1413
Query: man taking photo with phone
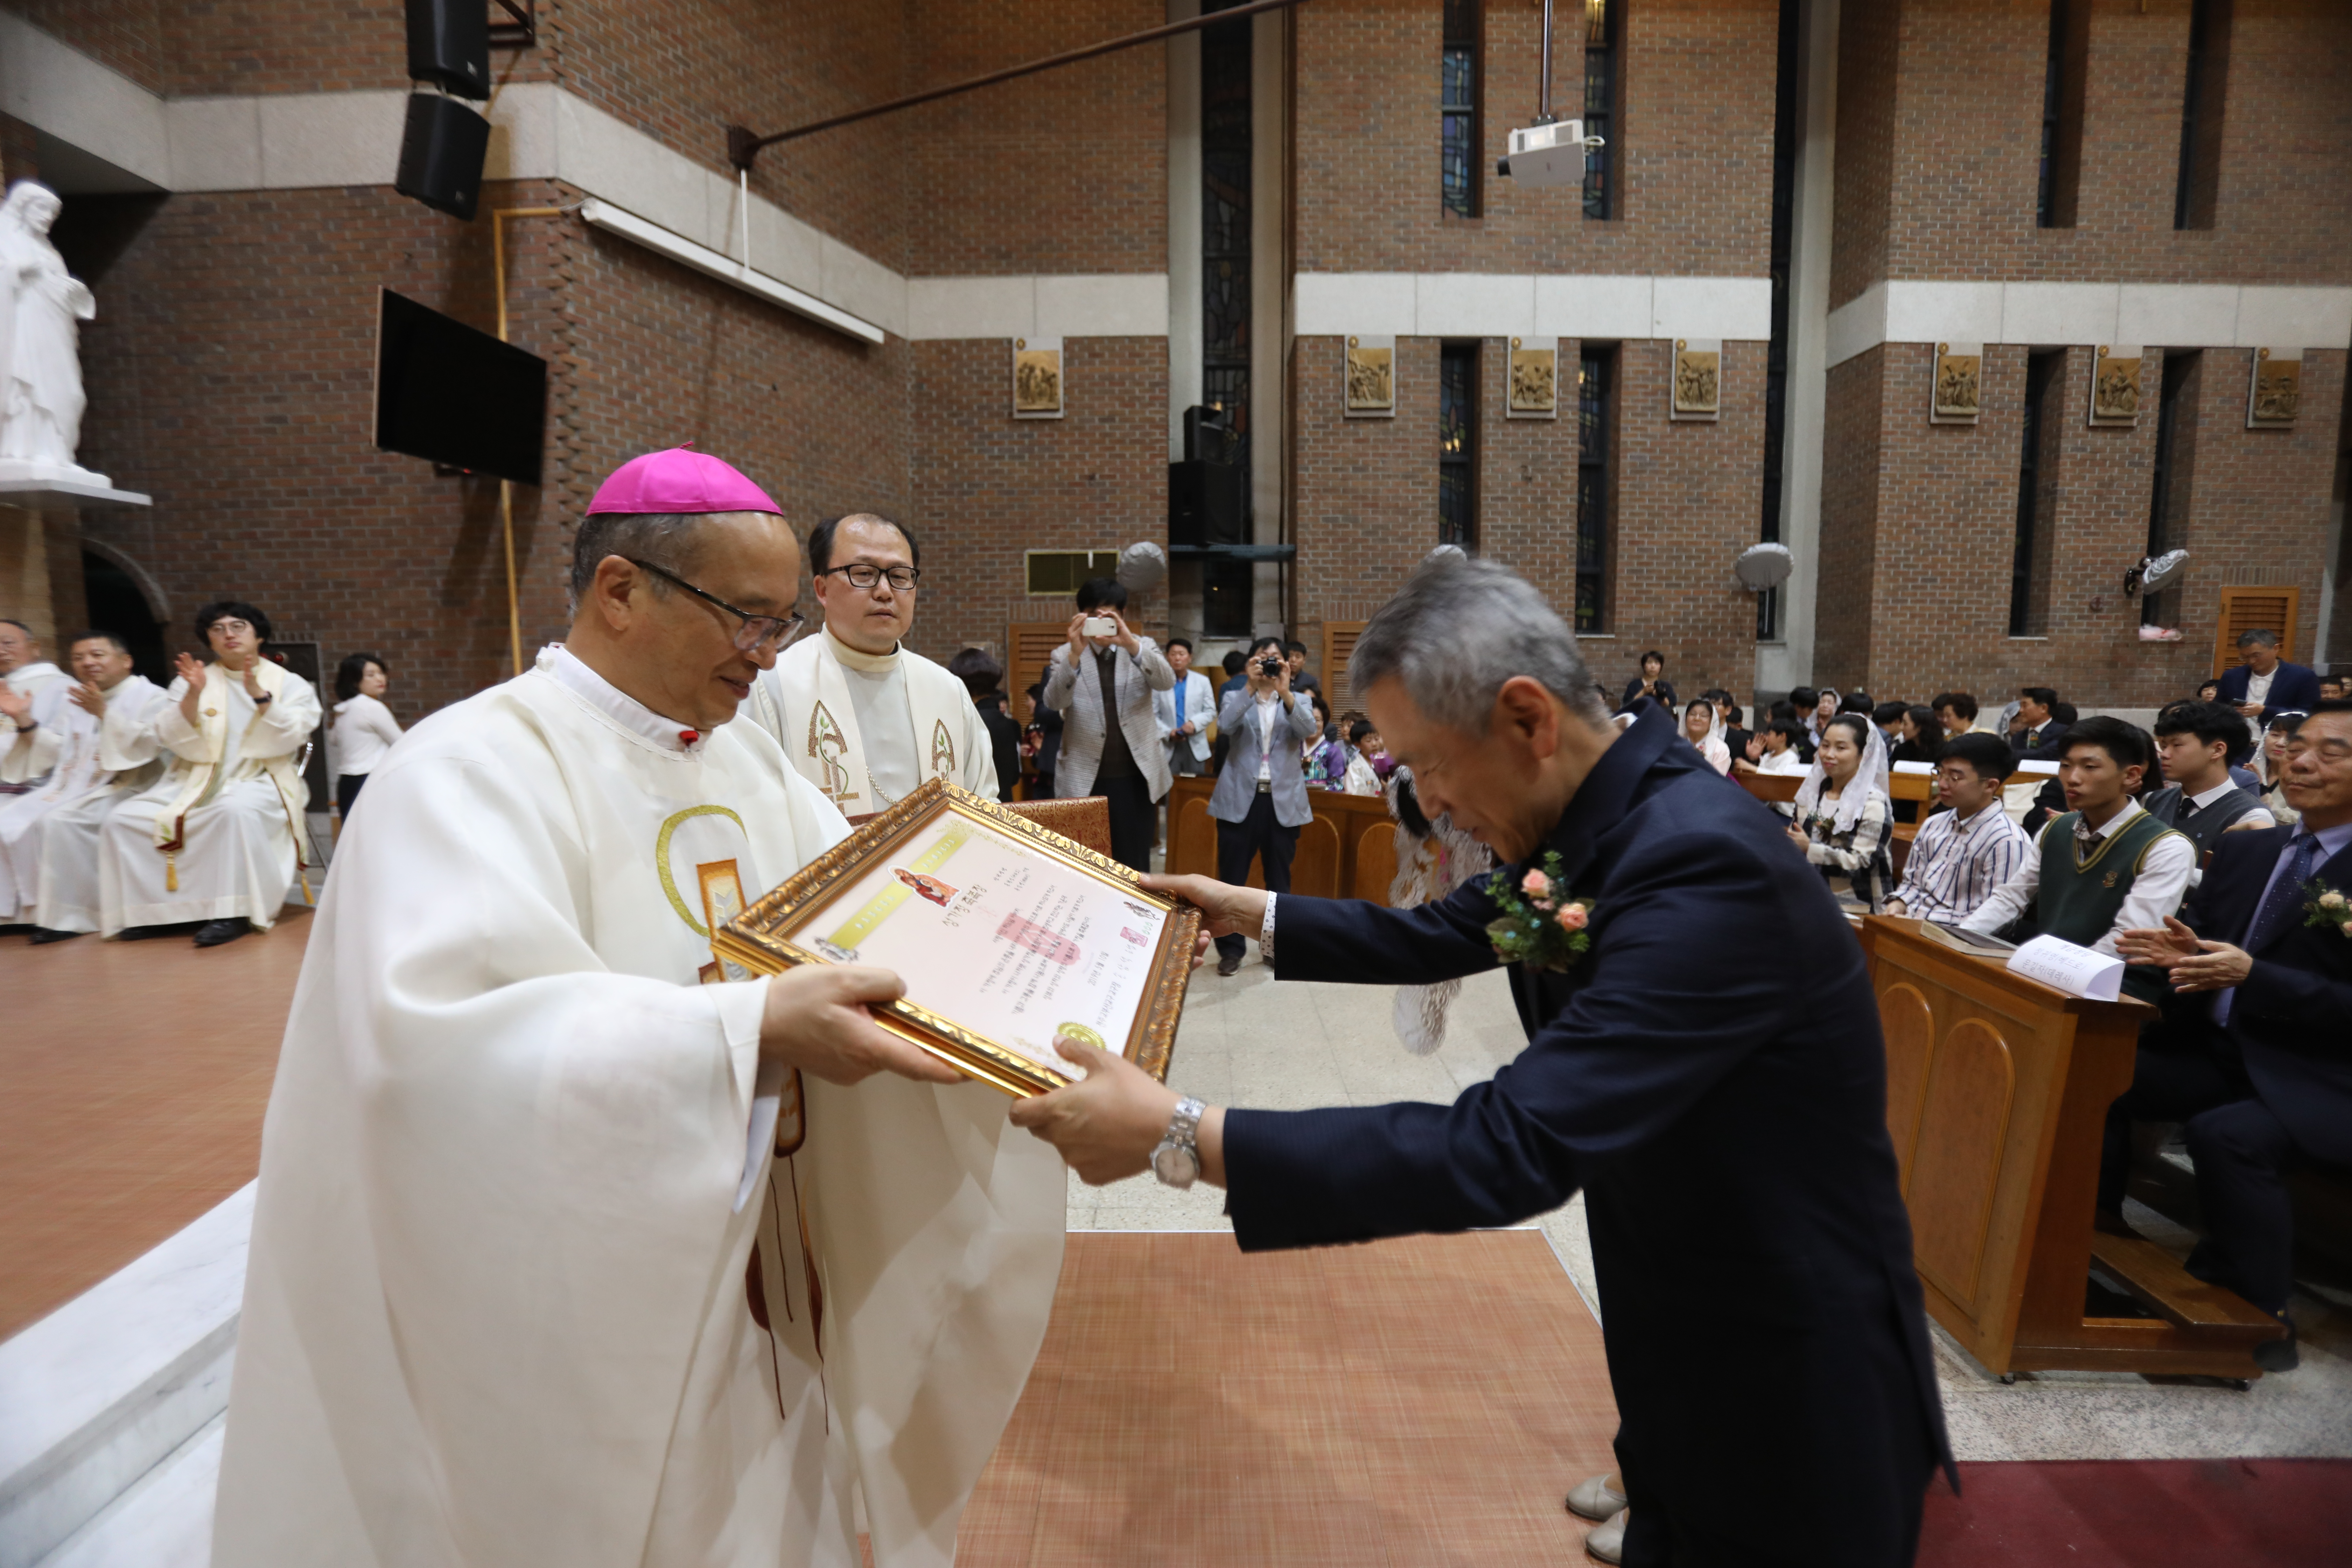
column 1260, row 801
column 1103, row 681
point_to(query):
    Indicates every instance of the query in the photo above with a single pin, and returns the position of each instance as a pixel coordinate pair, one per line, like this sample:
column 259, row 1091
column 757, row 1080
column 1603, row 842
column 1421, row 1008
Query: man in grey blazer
column 1260, row 801
column 1103, row 685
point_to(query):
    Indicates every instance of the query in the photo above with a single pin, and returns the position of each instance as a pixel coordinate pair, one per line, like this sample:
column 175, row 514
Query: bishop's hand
column 820, row 1019
column 88, row 699
column 13, row 706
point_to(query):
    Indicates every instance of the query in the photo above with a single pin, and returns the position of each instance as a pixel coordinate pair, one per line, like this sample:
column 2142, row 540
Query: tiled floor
column 1414, row 1402
column 133, row 1081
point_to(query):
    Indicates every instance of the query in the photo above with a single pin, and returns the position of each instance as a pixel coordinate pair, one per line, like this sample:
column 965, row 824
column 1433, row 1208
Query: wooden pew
column 1770, row 788
column 1997, row 1090
column 1347, row 851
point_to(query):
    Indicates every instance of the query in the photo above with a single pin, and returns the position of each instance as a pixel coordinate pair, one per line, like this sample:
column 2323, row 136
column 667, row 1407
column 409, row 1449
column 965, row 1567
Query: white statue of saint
column 40, row 368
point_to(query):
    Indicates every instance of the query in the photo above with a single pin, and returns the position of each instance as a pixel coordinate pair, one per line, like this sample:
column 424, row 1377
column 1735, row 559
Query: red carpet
column 2159, row 1513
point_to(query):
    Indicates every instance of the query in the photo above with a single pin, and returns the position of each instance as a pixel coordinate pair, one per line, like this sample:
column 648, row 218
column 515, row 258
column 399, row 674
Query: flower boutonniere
column 2323, row 906
column 1538, row 925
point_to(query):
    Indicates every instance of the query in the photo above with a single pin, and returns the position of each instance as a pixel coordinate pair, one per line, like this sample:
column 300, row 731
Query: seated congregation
column 2214, row 857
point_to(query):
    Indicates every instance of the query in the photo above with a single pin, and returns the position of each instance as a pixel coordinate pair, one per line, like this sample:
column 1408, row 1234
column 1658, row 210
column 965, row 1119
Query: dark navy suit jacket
column 2295, row 689
column 2292, row 1020
column 1712, row 1074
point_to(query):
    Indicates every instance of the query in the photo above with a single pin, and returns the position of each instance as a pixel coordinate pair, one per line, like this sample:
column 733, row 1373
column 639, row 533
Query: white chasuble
column 867, row 728
column 220, row 834
column 497, row 1309
column 90, row 765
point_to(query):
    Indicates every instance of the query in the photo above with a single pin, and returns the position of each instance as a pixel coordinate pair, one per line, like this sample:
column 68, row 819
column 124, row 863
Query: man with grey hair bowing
column 1765, row 1332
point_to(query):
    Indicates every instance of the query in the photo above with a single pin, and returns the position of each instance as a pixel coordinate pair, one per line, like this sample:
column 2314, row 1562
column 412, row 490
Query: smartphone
column 1100, row 627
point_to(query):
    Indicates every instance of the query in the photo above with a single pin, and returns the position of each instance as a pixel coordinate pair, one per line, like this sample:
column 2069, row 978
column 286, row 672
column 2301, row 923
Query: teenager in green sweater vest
column 2103, row 866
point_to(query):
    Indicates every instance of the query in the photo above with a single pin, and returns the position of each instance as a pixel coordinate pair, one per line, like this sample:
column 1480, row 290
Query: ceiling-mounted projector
column 1549, row 154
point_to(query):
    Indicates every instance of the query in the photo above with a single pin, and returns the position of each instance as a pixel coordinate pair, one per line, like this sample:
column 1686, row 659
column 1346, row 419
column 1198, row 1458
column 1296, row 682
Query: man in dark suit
column 2255, row 1047
column 2264, row 685
column 1764, row 1327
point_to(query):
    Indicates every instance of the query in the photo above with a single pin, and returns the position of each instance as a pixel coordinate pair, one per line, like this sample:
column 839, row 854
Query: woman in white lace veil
column 1844, row 819
column 1699, row 728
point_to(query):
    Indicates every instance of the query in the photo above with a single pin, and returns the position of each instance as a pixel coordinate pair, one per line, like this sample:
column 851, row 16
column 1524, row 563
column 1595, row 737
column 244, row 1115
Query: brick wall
column 1941, row 111
column 1696, row 133
column 232, row 373
column 986, row 487
column 1918, row 524
column 1065, row 172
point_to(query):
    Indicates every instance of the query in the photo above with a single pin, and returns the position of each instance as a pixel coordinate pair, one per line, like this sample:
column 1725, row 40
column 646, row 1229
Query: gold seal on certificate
column 1005, row 933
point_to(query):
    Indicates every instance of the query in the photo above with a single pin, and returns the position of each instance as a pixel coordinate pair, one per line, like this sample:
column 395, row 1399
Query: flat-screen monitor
column 457, row 396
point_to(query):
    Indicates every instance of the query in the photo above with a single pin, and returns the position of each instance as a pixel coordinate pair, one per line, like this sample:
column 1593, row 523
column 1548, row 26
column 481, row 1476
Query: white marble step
column 98, row 1394
column 164, row 1520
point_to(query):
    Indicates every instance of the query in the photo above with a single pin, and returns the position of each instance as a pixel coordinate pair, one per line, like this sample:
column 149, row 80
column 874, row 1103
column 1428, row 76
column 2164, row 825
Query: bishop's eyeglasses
column 756, row 632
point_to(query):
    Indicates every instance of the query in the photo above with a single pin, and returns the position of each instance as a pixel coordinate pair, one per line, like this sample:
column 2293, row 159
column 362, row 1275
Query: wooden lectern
column 1997, row 1089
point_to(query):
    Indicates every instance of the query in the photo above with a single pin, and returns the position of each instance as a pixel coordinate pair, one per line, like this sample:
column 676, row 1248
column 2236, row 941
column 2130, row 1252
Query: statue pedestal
column 55, row 487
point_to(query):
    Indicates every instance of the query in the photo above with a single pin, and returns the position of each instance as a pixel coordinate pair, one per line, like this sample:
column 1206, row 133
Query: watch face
column 1175, row 1164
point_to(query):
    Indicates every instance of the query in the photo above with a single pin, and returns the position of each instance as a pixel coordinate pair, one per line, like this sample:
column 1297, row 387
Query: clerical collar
column 564, row 668
column 871, row 663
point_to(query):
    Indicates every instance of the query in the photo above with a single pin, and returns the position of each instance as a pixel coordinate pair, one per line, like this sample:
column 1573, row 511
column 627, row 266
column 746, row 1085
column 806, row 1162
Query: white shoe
column 1596, row 1499
column 1607, row 1538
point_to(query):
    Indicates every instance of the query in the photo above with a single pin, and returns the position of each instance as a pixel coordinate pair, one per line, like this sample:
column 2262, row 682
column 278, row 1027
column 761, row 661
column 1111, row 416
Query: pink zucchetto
column 680, row 481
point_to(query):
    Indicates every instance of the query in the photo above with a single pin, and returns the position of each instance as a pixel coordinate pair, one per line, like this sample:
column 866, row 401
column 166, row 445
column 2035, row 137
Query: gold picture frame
column 2274, row 393
column 780, row 931
column 2116, row 387
column 1957, row 397
column 1038, row 378
column 1695, row 391
column 1534, row 390
column 1368, row 381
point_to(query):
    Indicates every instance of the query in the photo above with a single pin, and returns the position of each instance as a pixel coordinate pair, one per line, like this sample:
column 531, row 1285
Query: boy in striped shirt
column 1961, row 855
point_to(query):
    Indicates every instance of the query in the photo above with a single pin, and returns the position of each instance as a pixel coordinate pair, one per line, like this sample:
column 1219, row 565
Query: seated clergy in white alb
column 32, row 693
column 98, row 752
column 217, row 838
column 864, row 718
column 529, row 1282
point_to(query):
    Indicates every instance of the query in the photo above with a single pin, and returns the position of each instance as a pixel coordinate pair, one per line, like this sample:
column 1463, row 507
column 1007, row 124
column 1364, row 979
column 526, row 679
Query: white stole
column 806, row 706
column 212, row 723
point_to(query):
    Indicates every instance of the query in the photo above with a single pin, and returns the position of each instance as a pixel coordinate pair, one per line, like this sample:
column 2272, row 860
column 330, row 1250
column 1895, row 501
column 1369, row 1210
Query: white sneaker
column 1596, row 1499
column 1607, row 1540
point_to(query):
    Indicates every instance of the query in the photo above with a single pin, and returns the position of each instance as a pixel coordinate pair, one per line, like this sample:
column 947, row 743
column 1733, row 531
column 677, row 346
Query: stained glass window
column 1457, row 394
column 1595, row 387
column 1459, row 162
column 1603, row 29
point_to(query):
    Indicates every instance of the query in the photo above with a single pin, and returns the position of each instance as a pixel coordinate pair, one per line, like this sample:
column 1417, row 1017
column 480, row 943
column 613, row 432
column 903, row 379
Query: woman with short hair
column 364, row 728
column 1650, row 683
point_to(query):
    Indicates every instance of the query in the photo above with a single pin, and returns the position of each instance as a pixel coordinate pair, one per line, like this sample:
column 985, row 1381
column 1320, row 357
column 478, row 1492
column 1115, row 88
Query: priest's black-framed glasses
column 864, row 574
column 756, row 630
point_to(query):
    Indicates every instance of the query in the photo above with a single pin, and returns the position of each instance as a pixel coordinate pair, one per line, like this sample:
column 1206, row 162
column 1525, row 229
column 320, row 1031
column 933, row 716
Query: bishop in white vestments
column 530, row 1282
column 220, row 837
column 98, row 752
column 863, row 717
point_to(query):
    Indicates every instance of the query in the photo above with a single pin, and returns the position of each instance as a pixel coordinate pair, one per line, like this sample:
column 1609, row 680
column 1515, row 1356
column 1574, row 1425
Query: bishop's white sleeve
column 290, row 720
column 2011, row 898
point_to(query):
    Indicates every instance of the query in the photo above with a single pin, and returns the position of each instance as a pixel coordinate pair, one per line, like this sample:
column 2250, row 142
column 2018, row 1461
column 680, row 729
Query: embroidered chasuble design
column 827, row 745
column 943, row 761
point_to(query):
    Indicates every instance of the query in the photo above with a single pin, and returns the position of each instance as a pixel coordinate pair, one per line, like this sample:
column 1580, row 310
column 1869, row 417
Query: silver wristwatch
column 1177, row 1160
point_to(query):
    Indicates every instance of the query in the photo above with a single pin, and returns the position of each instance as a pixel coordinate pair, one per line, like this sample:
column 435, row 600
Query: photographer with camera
column 1103, row 681
column 1260, row 801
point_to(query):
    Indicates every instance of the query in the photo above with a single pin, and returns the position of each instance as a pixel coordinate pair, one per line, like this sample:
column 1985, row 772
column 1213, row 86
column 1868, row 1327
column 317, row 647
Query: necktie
column 2284, row 898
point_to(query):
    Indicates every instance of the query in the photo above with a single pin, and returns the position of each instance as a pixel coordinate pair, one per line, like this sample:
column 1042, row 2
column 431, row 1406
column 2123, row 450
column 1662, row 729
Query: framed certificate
column 1005, row 933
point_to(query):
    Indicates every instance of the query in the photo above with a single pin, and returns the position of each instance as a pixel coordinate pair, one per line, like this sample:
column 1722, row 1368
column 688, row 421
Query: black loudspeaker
column 449, row 42
column 441, row 152
column 1204, row 503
